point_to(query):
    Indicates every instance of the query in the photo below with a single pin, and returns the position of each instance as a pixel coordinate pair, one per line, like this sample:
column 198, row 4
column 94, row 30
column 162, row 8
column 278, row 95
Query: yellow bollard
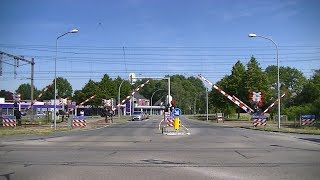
column 176, row 123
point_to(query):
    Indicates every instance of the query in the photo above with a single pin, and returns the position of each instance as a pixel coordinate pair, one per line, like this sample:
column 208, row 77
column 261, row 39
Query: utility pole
column 32, row 88
column 207, row 103
column 16, row 59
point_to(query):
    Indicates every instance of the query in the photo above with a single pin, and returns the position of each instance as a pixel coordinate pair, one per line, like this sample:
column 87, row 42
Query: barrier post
column 79, row 121
column 308, row 120
column 259, row 120
column 8, row 121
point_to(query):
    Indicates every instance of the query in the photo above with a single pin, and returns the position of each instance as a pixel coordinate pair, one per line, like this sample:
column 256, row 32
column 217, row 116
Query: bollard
column 176, row 123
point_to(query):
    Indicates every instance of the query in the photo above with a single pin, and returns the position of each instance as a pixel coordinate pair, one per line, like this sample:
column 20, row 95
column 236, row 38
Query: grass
column 286, row 127
column 123, row 119
column 289, row 129
column 5, row 131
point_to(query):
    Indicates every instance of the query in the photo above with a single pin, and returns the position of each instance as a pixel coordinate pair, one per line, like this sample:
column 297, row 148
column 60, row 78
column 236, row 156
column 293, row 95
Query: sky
column 153, row 38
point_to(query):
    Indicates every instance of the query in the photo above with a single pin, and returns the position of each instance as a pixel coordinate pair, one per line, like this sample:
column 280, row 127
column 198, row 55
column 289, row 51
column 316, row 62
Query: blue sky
column 154, row 37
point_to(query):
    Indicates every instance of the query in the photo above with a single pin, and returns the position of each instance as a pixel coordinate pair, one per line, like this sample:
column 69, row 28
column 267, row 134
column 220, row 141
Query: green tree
column 90, row 88
column 25, row 91
column 291, row 79
column 218, row 102
column 310, row 94
column 237, row 82
column 256, row 80
column 64, row 89
column 6, row 95
column 108, row 89
column 125, row 88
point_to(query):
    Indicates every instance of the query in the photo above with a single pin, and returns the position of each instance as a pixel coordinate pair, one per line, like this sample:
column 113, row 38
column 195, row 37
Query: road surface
column 138, row 150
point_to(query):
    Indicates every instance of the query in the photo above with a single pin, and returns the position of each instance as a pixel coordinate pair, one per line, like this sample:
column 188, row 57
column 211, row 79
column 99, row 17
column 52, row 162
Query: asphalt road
column 138, row 150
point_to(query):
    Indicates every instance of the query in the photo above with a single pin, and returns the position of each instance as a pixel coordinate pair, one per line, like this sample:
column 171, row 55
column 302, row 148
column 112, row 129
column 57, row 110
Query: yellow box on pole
column 176, row 123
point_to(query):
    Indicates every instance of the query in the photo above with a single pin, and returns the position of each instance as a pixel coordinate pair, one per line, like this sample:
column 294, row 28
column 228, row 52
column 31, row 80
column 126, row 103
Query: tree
column 90, row 88
column 256, row 80
column 107, row 88
column 6, row 95
column 64, row 89
column 310, row 94
column 218, row 101
column 291, row 79
column 25, row 91
column 237, row 82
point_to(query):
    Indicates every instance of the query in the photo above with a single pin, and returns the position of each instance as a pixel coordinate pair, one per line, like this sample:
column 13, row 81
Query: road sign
column 176, row 112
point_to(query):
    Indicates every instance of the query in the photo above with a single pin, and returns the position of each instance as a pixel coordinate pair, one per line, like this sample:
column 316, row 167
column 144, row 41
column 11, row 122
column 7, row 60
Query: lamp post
column 152, row 97
column 278, row 74
column 119, row 98
column 55, row 75
column 207, row 104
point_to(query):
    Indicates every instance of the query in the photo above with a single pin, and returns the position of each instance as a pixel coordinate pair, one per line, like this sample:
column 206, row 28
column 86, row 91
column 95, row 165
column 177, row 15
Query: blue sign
column 259, row 117
column 176, row 112
column 308, row 116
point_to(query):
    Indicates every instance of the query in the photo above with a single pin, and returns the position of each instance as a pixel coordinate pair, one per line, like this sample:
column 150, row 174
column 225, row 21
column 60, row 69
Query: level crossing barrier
column 169, row 120
column 259, row 120
column 308, row 120
column 8, row 121
column 79, row 121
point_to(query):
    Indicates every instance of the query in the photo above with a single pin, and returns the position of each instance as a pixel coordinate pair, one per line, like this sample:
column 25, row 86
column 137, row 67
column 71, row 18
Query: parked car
column 138, row 116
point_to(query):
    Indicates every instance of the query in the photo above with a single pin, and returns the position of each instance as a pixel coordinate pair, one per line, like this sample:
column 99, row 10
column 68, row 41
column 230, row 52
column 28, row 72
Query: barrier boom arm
column 125, row 99
column 39, row 96
column 83, row 102
column 234, row 100
column 273, row 104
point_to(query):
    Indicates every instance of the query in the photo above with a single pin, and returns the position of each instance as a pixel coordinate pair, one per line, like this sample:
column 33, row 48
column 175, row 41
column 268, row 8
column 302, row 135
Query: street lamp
column 278, row 75
column 55, row 74
column 151, row 99
column 119, row 98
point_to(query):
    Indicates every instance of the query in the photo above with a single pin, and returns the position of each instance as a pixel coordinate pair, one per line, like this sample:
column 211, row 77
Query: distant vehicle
column 138, row 116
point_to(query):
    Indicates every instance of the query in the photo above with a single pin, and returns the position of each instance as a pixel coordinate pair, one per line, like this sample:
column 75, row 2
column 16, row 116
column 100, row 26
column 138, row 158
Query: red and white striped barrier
column 234, row 100
column 83, row 102
column 39, row 96
column 125, row 99
column 9, row 121
column 273, row 104
column 308, row 120
column 169, row 120
column 259, row 121
column 79, row 121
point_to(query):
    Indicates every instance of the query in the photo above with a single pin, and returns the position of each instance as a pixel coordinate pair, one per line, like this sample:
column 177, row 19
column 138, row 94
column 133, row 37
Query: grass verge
column 6, row 131
column 298, row 130
column 286, row 127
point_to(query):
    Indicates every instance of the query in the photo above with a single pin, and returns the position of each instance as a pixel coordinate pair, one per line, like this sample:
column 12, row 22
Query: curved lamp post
column 152, row 97
column 278, row 74
column 55, row 74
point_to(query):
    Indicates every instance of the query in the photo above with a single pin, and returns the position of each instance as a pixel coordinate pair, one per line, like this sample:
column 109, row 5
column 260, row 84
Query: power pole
column 207, row 104
column 16, row 64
